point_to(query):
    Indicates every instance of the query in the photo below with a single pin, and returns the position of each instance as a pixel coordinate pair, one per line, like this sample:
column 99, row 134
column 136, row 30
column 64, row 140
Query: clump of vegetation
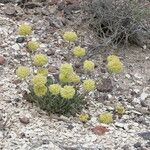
column 120, row 109
column 106, row 118
column 117, row 21
column 84, row 117
column 65, row 96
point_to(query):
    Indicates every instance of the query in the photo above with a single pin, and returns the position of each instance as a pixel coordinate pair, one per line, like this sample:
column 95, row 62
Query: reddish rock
column 99, row 130
column 2, row 60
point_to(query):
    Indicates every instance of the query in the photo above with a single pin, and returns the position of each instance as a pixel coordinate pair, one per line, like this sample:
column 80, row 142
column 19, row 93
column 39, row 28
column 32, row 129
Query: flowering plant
column 67, row 95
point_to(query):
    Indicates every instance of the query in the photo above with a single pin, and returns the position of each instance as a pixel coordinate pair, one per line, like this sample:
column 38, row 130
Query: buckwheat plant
column 65, row 95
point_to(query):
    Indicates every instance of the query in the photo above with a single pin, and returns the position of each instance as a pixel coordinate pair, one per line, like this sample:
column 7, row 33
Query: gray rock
column 145, row 135
column 137, row 145
column 126, row 147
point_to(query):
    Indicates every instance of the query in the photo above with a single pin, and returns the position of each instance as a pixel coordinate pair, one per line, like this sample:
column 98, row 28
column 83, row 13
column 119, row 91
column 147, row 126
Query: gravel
column 24, row 126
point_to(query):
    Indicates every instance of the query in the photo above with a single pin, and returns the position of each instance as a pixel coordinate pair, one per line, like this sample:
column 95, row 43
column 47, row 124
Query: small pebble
column 20, row 40
column 137, row 145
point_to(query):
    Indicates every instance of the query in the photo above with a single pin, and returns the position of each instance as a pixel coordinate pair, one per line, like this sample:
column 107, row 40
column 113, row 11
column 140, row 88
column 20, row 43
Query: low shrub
column 118, row 21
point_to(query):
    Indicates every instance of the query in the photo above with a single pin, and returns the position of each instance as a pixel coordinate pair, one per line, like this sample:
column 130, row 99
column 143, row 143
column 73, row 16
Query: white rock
column 138, row 76
column 136, row 91
column 144, row 47
column 136, row 101
column 128, row 76
column 16, row 47
column 144, row 96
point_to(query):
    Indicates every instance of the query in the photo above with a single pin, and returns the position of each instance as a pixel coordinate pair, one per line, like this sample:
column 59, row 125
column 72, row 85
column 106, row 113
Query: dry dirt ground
column 24, row 126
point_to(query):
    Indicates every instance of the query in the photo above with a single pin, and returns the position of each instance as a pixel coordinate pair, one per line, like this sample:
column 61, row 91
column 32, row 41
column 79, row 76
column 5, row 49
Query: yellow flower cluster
column 120, row 109
column 42, row 71
column 33, row 46
column 88, row 65
column 23, row 72
column 39, row 80
column 66, row 68
column 39, row 87
column 67, row 92
column 84, row 117
column 67, row 74
column 70, row 36
column 114, row 64
column 89, row 85
column 112, row 58
column 40, row 90
column 106, row 118
column 79, row 52
column 24, row 29
column 40, row 59
column 55, row 89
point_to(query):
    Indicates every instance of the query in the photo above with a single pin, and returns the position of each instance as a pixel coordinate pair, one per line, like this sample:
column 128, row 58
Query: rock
column 142, row 110
column 50, row 52
column 145, row 135
column 137, row 145
column 121, row 125
column 45, row 141
column 20, row 40
column 70, row 127
column 136, row 101
column 10, row 9
column 126, row 147
column 144, row 96
column 2, row 60
column 24, row 120
column 138, row 76
column 53, row 2
column 52, row 69
column 128, row 76
column 99, row 130
column 105, row 86
column 16, row 47
column 141, row 119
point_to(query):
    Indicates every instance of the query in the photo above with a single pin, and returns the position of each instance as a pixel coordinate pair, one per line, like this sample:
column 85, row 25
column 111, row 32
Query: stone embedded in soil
column 24, row 120
column 2, row 60
column 50, row 53
column 137, row 145
column 99, row 130
column 145, row 135
column 52, row 69
column 20, row 40
column 105, row 86
column 10, row 9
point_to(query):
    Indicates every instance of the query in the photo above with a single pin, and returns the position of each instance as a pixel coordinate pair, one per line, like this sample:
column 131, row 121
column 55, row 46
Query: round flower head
column 112, row 58
column 89, row 85
column 79, row 52
column 67, row 92
column 115, row 66
column 55, row 89
column 39, row 80
column 40, row 90
column 33, row 45
column 120, row 109
column 42, row 71
column 74, row 78
column 88, row 65
column 84, row 117
column 106, row 118
column 24, row 29
column 63, row 78
column 66, row 68
column 40, row 59
column 70, row 36
column 23, row 72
